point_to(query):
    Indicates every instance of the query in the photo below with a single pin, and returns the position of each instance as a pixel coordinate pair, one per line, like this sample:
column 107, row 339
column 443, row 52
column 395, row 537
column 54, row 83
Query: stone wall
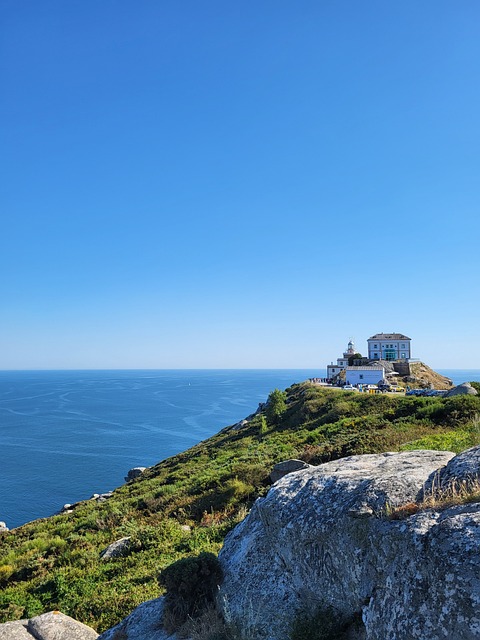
column 402, row 368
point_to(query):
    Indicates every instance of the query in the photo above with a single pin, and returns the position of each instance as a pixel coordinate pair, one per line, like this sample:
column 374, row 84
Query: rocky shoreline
column 132, row 474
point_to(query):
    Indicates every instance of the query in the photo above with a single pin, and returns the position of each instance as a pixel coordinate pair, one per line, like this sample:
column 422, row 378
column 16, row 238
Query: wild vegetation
column 186, row 504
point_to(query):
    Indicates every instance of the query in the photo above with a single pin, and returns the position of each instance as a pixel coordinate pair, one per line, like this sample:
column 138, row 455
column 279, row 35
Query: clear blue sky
column 219, row 184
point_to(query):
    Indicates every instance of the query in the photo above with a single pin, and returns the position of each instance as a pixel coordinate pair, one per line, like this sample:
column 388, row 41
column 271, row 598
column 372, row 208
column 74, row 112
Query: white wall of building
column 364, row 375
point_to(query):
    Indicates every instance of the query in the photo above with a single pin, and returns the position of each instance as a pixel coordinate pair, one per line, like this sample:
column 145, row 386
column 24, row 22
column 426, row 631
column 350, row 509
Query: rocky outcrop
column 15, row 630
column 117, row 549
column 98, row 497
column 462, row 389
column 3, row 527
column 288, row 466
column 425, row 377
column 134, row 473
column 144, row 623
column 49, row 626
column 322, row 540
column 464, row 468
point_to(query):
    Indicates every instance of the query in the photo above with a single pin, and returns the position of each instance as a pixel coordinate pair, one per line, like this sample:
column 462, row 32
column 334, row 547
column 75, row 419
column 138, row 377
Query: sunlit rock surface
column 323, row 539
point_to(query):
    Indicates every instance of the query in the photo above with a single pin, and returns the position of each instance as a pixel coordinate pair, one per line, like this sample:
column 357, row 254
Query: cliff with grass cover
column 187, row 504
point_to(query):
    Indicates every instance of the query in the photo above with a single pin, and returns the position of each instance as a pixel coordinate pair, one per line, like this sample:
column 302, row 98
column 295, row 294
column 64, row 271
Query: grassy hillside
column 188, row 503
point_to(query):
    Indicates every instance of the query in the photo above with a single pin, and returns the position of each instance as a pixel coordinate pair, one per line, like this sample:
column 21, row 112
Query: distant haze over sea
column 65, row 435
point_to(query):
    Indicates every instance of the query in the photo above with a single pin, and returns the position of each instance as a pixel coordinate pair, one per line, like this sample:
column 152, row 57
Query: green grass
column 187, row 504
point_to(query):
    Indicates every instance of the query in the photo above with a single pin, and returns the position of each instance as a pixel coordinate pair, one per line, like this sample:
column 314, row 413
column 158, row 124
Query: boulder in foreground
column 144, row 623
column 322, row 547
column 49, row 626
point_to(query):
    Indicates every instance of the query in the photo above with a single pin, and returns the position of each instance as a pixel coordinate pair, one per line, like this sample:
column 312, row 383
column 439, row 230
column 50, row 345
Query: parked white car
column 349, row 387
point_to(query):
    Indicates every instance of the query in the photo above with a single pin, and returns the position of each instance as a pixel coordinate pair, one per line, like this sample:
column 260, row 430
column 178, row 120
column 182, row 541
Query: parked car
column 349, row 387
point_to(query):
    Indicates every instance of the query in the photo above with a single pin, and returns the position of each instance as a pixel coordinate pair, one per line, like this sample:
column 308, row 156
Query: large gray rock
column 14, row 630
column 425, row 577
column 462, row 389
column 134, row 473
column 117, row 549
column 144, row 623
column 322, row 539
column 287, row 466
column 57, row 626
column 461, row 469
column 49, row 626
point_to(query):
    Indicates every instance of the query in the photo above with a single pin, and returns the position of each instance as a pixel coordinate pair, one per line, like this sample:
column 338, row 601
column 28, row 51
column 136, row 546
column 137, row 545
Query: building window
column 361, row 376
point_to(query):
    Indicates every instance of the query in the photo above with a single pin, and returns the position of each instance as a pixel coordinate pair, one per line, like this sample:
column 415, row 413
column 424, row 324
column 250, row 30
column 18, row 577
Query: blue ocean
column 65, row 435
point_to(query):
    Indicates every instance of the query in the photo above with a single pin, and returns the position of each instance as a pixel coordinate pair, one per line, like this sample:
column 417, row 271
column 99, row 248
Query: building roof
column 389, row 336
column 376, row 367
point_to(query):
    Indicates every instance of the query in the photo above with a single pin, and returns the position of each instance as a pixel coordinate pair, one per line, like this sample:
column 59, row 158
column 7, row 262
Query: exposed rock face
column 99, row 497
column 136, row 472
column 288, row 466
column 462, row 389
column 49, row 626
column 426, row 377
column 321, row 538
column 117, row 549
column 144, row 623
column 462, row 468
column 15, row 630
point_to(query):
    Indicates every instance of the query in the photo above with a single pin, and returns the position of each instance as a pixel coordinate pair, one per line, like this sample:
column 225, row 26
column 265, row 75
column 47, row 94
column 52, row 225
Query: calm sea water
column 65, row 435
column 457, row 376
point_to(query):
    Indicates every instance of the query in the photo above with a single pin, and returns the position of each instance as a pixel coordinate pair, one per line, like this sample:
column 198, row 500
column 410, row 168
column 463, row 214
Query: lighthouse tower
column 342, row 363
column 350, row 349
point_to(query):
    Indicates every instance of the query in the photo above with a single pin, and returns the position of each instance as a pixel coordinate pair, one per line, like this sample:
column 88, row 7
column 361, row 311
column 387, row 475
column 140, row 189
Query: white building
column 342, row 363
column 389, row 346
column 364, row 375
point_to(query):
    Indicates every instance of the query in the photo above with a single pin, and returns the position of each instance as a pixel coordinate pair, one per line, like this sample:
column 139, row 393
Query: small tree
column 276, row 405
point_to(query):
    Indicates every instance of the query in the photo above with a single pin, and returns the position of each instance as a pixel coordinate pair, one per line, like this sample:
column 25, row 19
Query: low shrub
column 456, row 441
column 6, row 571
column 191, row 585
